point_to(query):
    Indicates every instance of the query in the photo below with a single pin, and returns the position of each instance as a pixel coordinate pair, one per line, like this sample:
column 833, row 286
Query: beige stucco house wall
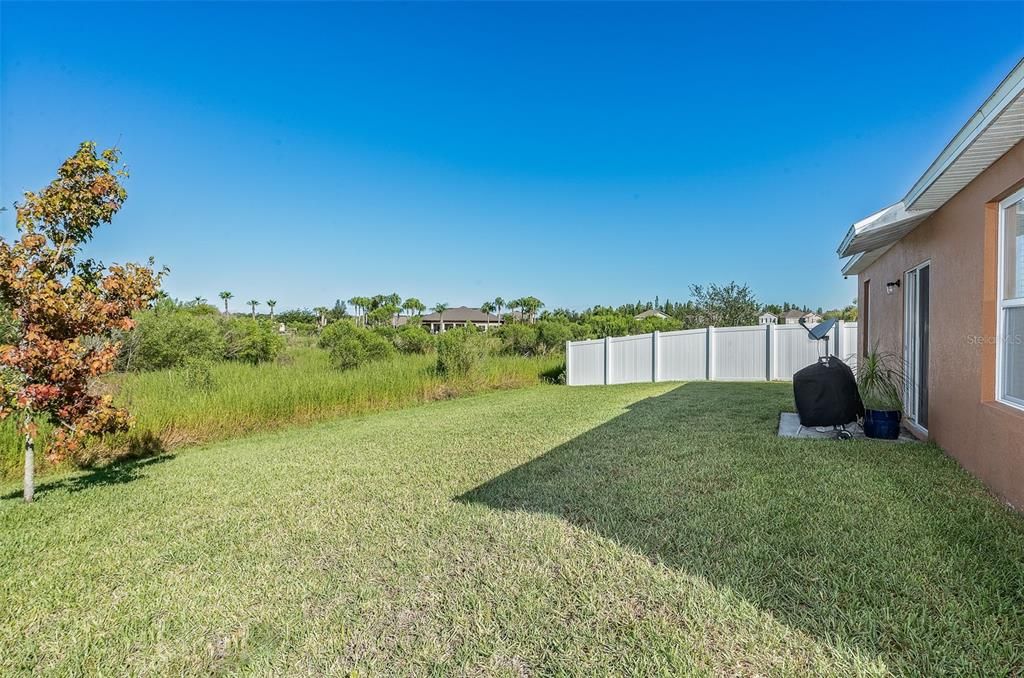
column 928, row 270
column 960, row 241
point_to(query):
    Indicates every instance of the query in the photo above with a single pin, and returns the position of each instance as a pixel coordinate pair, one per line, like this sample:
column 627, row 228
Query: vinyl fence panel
column 741, row 353
column 632, row 359
column 683, row 355
column 752, row 353
column 584, row 362
column 848, row 344
column 796, row 350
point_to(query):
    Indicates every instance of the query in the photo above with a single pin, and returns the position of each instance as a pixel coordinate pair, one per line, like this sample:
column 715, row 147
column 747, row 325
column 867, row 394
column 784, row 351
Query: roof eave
column 993, row 130
column 881, row 229
column 1008, row 90
column 859, row 262
column 847, row 239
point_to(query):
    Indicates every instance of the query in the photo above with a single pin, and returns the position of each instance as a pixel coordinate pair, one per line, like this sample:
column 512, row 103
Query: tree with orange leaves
column 65, row 308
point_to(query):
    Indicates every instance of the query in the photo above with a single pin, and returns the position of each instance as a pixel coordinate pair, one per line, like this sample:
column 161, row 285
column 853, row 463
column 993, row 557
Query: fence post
column 607, row 360
column 839, row 339
column 568, row 363
column 711, row 353
column 769, row 347
column 654, row 355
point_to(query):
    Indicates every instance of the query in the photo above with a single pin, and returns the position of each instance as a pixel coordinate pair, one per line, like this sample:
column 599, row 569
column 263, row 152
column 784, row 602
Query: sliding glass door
column 916, row 299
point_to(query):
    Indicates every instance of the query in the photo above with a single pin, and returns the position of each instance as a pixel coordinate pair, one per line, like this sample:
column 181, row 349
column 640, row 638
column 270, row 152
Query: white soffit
column 993, row 130
column 881, row 229
column 859, row 263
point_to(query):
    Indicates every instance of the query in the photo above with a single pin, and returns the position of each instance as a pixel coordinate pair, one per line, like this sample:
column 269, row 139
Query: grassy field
column 651, row 528
column 171, row 410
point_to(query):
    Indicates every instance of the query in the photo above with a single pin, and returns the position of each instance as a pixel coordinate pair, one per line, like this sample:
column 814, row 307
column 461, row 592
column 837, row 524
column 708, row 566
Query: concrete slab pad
column 789, row 427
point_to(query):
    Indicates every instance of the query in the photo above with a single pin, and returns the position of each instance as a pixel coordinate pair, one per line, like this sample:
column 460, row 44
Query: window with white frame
column 1010, row 357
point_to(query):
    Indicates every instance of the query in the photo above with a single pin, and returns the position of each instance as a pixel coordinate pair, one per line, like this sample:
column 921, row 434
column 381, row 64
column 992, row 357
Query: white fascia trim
column 1008, row 90
column 859, row 262
column 892, row 217
column 854, row 229
column 851, row 266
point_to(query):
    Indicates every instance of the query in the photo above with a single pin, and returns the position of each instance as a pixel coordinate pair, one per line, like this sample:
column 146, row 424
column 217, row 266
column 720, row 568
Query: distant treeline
column 719, row 305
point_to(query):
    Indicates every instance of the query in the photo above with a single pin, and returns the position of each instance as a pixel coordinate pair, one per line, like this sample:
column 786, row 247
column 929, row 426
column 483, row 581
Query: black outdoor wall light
column 890, row 287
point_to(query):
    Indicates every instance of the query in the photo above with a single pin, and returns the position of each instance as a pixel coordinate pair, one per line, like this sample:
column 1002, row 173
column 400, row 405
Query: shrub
column 303, row 329
column 298, row 316
column 552, row 335
column 349, row 346
column 171, row 335
column 648, row 325
column 376, row 346
column 414, row 339
column 165, row 338
column 335, row 332
column 609, row 324
column 518, row 338
column 460, row 351
column 347, row 352
column 250, row 341
column 201, row 309
column 386, row 332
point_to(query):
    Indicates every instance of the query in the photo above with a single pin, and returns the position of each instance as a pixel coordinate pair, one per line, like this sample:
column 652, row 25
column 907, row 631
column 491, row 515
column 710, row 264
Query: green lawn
column 632, row 529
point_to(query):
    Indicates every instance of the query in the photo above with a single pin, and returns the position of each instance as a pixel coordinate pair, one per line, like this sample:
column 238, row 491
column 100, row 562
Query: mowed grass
column 655, row 528
column 171, row 410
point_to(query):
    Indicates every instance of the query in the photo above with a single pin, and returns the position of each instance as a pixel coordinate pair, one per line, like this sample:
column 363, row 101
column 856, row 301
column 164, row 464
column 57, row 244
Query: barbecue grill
column 826, row 391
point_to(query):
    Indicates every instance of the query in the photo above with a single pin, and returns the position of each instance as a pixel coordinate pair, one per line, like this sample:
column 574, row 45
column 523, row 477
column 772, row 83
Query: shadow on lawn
column 117, row 473
column 888, row 549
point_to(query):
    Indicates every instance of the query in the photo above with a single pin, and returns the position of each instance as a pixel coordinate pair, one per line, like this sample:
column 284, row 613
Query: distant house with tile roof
column 459, row 316
column 650, row 313
column 793, row 316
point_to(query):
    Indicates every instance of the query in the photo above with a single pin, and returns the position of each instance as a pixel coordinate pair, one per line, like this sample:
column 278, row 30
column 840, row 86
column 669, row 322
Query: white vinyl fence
column 756, row 353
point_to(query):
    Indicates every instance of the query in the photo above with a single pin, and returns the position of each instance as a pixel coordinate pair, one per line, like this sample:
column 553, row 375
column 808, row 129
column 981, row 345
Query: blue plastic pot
column 882, row 424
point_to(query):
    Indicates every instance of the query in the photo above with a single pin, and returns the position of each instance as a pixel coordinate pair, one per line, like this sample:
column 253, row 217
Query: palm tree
column 361, row 304
column 488, row 308
column 499, row 304
column 366, row 303
column 395, row 302
column 225, row 296
column 414, row 306
column 271, row 303
column 253, row 303
column 516, row 303
column 531, row 305
column 198, row 301
column 439, row 309
column 321, row 316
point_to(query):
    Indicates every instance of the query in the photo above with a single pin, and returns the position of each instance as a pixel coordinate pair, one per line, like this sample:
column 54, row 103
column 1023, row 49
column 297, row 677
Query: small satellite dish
column 821, row 330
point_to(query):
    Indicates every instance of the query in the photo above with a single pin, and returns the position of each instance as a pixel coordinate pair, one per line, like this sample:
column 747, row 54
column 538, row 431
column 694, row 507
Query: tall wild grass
column 179, row 407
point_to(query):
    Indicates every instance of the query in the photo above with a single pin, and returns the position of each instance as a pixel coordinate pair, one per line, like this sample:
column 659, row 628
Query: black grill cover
column 826, row 394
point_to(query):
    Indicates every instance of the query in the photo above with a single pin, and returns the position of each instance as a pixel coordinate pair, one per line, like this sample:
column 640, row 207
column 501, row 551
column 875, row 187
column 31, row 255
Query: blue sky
column 581, row 153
